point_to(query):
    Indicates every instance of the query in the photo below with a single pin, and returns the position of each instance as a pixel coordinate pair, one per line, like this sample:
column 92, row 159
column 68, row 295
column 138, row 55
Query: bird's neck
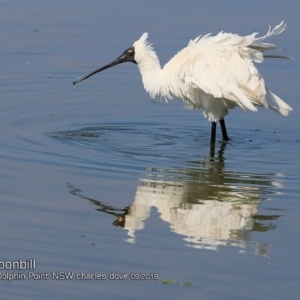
column 152, row 75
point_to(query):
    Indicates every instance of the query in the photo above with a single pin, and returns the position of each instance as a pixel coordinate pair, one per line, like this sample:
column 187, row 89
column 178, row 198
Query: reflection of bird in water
column 213, row 73
column 206, row 204
column 207, row 214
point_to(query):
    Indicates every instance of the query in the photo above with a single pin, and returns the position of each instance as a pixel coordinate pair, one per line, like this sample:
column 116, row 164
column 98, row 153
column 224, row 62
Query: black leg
column 213, row 133
column 224, row 131
column 212, row 151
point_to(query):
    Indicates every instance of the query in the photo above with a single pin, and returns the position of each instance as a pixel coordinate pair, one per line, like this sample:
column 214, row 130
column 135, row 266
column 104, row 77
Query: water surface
column 102, row 179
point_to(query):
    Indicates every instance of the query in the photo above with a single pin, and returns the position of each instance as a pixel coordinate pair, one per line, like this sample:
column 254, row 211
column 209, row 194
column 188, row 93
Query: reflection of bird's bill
column 103, row 207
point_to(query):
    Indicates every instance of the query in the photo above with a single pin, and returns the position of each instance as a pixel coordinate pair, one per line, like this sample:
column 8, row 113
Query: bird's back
column 216, row 73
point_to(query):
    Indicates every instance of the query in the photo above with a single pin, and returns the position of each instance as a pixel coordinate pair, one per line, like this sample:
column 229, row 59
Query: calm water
column 102, row 179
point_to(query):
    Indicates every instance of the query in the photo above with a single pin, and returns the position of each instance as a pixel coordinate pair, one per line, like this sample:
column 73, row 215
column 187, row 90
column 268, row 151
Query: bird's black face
column 127, row 56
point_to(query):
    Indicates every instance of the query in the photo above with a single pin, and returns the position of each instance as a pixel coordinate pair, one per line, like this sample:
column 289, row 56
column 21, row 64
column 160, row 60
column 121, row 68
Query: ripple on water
column 130, row 140
column 154, row 143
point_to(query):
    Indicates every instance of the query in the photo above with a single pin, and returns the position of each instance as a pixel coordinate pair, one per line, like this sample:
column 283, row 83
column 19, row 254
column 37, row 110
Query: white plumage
column 213, row 73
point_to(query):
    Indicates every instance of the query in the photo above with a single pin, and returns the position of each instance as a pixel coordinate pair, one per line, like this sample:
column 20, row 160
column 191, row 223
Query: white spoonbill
column 213, row 73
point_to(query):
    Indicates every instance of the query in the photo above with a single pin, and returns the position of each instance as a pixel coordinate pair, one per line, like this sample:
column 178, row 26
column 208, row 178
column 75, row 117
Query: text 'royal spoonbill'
column 213, row 73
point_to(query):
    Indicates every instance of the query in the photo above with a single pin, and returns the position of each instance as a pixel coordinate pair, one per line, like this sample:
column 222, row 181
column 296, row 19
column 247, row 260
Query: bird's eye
column 130, row 51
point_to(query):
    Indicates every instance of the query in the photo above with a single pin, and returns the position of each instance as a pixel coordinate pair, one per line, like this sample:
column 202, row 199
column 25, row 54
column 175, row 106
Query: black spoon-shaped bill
column 127, row 56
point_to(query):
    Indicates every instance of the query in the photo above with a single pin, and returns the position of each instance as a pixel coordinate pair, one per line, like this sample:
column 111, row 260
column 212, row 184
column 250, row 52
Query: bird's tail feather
column 258, row 44
column 278, row 56
column 277, row 104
